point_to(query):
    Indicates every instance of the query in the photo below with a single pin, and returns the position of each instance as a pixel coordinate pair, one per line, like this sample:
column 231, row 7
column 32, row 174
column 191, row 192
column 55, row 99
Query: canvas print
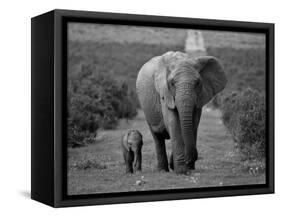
column 152, row 108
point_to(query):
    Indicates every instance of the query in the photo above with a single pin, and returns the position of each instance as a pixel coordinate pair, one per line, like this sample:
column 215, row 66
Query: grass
column 99, row 168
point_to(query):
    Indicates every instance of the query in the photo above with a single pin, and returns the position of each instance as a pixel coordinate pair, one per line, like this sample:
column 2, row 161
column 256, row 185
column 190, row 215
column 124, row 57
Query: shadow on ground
column 25, row 194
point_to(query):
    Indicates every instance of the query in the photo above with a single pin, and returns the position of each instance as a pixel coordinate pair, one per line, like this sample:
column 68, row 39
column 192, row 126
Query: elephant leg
column 138, row 159
column 162, row 160
column 177, row 158
column 129, row 159
column 171, row 163
column 196, row 120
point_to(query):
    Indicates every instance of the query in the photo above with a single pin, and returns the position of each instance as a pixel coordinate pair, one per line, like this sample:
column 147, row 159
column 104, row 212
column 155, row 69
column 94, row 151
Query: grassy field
column 99, row 168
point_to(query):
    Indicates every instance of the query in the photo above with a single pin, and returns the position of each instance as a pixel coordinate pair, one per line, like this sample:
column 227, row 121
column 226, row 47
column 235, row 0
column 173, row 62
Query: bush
column 83, row 122
column 95, row 101
column 243, row 113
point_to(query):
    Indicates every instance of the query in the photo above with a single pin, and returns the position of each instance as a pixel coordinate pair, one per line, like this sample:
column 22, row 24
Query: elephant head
column 184, row 85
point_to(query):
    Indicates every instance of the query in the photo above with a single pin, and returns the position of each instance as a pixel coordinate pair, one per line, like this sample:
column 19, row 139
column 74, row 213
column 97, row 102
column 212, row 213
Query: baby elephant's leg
column 129, row 159
column 138, row 159
column 171, row 161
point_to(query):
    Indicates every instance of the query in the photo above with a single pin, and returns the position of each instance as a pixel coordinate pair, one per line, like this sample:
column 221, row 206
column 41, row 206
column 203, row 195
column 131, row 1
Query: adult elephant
column 172, row 89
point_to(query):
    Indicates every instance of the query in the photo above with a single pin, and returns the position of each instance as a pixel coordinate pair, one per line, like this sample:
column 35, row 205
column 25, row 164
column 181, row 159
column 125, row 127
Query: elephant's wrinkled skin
column 131, row 145
column 172, row 89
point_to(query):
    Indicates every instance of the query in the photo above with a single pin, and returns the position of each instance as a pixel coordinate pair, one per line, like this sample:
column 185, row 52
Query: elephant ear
column 161, row 83
column 213, row 78
column 125, row 141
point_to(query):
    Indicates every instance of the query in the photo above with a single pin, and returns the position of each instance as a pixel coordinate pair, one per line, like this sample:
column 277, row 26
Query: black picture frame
column 48, row 69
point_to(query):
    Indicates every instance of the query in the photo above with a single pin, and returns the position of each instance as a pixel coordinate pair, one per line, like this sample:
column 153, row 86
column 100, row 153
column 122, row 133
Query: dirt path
column 99, row 167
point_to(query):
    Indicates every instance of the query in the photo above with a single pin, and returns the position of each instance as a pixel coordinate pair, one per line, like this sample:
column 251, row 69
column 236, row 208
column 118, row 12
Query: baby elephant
column 131, row 145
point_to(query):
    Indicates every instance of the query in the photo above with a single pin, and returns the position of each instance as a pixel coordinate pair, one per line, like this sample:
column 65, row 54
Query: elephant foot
column 129, row 170
column 162, row 166
column 171, row 165
column 182, row 169
column 137, row 170
column 163, row 169
column 137, row 167
column 191, row 166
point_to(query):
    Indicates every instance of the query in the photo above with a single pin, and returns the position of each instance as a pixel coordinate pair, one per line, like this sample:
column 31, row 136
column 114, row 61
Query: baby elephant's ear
column 141, row 143
column 213, row 78
column 125, row 141
column 140, row 138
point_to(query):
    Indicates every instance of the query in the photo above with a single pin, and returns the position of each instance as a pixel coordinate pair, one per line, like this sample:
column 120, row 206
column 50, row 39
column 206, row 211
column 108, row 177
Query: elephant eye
column 198, row 83
column 171, row 82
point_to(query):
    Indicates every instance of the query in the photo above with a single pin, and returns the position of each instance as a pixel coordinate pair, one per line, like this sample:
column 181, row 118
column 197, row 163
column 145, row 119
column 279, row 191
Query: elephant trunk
column 185, row 106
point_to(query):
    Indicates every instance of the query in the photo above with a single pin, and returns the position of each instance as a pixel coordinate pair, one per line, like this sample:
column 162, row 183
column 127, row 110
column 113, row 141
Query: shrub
column 243, row 113
column 94, row 101
column 83, row 122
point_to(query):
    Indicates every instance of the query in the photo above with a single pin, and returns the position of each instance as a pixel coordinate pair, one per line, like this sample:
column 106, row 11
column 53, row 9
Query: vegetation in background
column 101, row 85
column 95, row 101
column 121, row 61
column 243, row 113
column 243, row 102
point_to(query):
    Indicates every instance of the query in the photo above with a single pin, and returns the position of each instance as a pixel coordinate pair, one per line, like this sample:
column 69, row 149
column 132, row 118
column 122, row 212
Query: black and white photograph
column 140, row 108
column 156, row 108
